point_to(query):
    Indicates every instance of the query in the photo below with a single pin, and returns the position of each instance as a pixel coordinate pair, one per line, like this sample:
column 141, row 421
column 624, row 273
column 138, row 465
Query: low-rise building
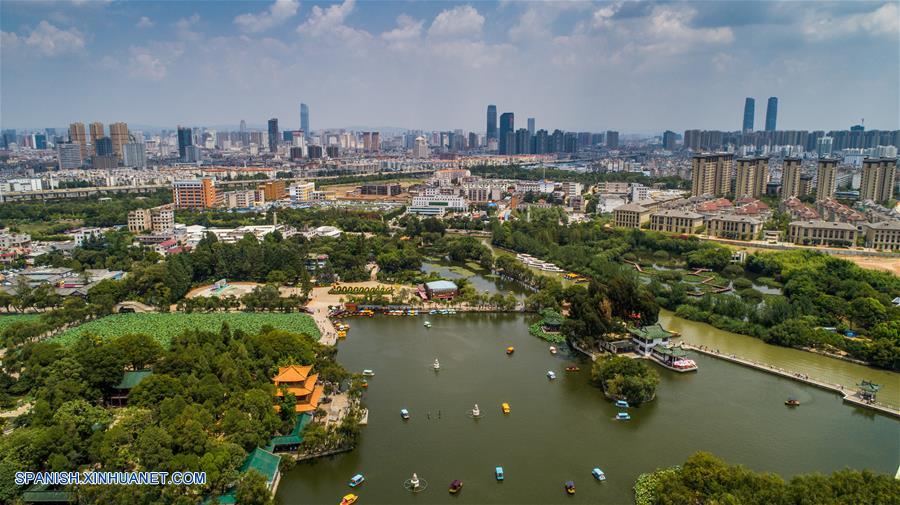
column 381, row 189
column 440, row 290
column 734, row 227
column 818, row 232
column 157, row 220
column 437, row 205
column 301, row 191
column 884, row 235
column 676, row 221
column 630, row 215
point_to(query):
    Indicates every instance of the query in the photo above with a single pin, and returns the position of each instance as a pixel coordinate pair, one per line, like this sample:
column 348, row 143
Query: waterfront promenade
column 846, row 393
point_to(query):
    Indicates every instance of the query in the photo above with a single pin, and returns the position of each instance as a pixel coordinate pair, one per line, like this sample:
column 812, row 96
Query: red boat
column 572, row 369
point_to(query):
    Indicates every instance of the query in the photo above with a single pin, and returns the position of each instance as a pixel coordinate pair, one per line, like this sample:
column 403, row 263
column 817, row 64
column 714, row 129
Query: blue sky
column 588, row 66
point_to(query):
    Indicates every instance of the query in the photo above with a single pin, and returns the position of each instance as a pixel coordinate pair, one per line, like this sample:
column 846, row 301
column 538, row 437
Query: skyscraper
column 69, row 155
column 771, row 113
column 134, row 155
column 185, row 139
column 304, row 118
column 118, row 134
column 668, row 140
column 612, row 139
column 507, row 129
column 96, row 133
column 749, row 113
column 103, row 146
column 531, row 126
column 78, row 136
column 273, row 135
column 492, row 122
column 245, row 135
column 790, row 178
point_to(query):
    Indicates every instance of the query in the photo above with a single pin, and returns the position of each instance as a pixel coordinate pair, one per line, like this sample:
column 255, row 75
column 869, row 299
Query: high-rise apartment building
column 749, row 113
column 668, row 140
column 824, row 146
column 185, row 139
column 77, row 135
column 752, row 177
column 197, row 194
column 826, row 179
column 420, row 150
column 771, row 113
column 531, row 126
column 103, row 146
column 304, row 118
column 118, row 134
column 507, row 140
column 69, row 156
column 273, row 135
column 711, row 174
column 491, row 122
column 612, row 139
column 790, row 178
column 878, row 179
column 134, row 155
column 96, row 133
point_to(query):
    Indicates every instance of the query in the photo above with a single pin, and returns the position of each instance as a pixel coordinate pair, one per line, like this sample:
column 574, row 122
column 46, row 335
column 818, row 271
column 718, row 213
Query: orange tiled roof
column 292, row 373
column 313, row 402
column 306, row 388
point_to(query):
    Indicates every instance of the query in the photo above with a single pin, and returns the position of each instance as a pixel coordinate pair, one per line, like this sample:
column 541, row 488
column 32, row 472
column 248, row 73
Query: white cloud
column 325, row 21
column 145, row 22
column 152, row 62
column 602, row 17
column 49, row 40
column 408, row 32
column 276, row 14
column 885, row 20
column 670, row 31
column 457, row 22
column 531, row 25
column 183, row 28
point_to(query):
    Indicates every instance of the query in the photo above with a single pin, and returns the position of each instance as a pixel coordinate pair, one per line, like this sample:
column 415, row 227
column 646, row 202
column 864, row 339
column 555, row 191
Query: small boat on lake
column 551, row 375
column 792, row 402
column 623, row 416
column 455, row 486
column 427, row 324
column 451, row 311
column 475, row 411
column 598, row 474
column 404, row 414
column 437, row 365
column 498, row 473
column 365, row 384
column 433, row 311
column 552, row 349
column 357, row 480
column 414, row 482
column 368, row 373
column 349, row 499
column 510, row 350
column 505, row 407
column 570, row 487
column 622, row 404
column 572, row 368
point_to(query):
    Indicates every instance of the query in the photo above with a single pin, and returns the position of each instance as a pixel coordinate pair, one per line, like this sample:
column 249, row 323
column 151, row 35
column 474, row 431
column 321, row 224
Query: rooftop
column 440, row 285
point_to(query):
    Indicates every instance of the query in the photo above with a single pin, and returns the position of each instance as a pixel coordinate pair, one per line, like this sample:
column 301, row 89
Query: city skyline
column 382, row 63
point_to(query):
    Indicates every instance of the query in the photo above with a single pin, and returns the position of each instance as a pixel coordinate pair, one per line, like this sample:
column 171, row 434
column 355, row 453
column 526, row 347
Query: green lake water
column 559, row 430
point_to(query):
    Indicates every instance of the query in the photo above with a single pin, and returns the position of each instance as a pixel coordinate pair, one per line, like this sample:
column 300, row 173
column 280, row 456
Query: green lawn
column 164, row 326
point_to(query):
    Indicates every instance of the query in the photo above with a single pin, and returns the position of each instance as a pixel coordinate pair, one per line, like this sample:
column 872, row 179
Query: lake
column 559, row 430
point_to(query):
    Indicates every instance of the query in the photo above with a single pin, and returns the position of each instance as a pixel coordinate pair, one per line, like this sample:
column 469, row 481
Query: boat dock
column 847, row 395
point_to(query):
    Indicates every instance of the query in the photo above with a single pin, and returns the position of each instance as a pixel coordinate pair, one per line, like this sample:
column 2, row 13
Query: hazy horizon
column 577, row 66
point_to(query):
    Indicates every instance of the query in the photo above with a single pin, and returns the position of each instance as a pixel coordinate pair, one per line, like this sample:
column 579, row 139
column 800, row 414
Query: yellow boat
column 510, row 350
column 349, row 499
column 505, row 407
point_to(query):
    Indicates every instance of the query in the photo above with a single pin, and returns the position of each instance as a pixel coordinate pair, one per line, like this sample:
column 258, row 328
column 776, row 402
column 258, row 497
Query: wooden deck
column 847, row 395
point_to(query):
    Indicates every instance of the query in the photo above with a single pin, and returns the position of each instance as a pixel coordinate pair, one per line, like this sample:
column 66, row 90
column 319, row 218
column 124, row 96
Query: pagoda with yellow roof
column 302, row 384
